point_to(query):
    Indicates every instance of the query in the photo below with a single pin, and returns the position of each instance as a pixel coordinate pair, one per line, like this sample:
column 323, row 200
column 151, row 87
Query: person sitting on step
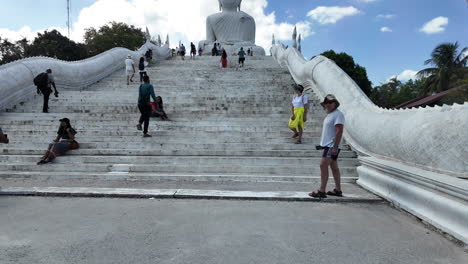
column 64, row 142
column 3, row 137
column 158, row 109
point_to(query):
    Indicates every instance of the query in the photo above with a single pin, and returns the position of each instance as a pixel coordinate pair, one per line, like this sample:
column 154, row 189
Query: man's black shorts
column 327, row 153
column 241, row 60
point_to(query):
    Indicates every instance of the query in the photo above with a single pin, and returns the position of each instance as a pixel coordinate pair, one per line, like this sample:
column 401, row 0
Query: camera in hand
column 318, row 147
column 56, row 94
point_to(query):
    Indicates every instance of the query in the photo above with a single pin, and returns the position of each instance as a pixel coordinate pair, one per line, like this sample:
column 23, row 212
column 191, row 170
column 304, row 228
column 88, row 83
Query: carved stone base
column 438, row 199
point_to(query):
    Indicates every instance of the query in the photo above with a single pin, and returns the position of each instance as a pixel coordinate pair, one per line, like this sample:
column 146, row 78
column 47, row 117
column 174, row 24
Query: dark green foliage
column 113, row 35
column 10, row 51
column 355, row 71
column 395, row 92
column 55, row 45
column 449, row 67
column 459, row 96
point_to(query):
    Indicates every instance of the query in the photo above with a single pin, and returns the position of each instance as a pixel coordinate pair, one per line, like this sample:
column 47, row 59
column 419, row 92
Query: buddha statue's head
column 230, row 5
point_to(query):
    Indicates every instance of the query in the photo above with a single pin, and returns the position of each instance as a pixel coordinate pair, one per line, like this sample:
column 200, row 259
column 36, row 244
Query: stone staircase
column 229, row 133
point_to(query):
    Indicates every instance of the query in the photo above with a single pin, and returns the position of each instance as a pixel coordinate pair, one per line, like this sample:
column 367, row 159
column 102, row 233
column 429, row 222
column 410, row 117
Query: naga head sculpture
column 230, row 4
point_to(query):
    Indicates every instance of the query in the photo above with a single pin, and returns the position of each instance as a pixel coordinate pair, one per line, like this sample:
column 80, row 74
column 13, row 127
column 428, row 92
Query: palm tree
column 450, row 65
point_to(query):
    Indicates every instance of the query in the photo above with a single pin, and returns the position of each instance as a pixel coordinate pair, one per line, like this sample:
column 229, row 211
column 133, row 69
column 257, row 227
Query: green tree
column 449, row 67
column 111, row 36
column 55, row 45
column 395, row 92
column 355, row 71
column 11, row 51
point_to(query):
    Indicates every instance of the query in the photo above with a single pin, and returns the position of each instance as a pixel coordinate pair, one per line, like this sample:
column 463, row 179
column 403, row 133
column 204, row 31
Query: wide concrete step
column 84, row 123
column 183, row 152
column 166, row 168
column 106, row 116
column 176, row 160
column 180, row 146
column 202, row 139
column 355, row 196
column 160, row 177
column 167, row 132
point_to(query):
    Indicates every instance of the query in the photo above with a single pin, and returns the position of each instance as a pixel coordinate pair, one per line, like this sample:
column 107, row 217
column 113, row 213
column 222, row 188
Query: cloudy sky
column 388, row 37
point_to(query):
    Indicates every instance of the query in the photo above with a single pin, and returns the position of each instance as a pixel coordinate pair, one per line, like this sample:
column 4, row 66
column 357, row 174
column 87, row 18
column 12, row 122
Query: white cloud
column 385, row 16
column 25, row 32
column 332, row 14
column 386, row 29
column 405, row 76
column 436, row 25
column 182, row 20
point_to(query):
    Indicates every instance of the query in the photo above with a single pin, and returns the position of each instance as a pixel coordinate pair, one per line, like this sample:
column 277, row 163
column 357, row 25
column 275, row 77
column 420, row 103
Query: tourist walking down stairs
column 144, row 105
column 44, row 82
column 64, row 142
column 299, row 108
column 332, row 133
column 129, row 69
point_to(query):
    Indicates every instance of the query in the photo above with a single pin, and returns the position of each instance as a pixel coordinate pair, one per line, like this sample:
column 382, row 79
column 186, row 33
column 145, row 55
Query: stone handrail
column 431, row 138
column 16, row 78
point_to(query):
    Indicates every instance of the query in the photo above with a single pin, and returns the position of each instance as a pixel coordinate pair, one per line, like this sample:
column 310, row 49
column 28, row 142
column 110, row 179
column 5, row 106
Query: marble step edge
column 166, row 177
column 177, row 194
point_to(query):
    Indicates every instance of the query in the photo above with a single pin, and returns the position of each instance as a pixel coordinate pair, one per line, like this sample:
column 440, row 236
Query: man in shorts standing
column 129, row 69
column 330, row 143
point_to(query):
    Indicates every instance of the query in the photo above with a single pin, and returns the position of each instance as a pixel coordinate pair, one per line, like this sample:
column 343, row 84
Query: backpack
column 41, row 80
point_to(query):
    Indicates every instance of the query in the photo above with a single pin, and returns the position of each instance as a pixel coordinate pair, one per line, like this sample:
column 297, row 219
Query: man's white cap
column 129, row 56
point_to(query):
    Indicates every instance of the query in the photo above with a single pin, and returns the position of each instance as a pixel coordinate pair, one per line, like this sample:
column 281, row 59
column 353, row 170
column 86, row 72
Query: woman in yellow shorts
column 299, row 107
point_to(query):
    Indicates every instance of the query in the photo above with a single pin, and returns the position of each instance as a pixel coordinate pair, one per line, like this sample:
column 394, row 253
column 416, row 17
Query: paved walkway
column 82, row 230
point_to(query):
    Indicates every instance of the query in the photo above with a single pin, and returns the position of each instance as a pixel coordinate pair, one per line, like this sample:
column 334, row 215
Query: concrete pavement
column 82, row 230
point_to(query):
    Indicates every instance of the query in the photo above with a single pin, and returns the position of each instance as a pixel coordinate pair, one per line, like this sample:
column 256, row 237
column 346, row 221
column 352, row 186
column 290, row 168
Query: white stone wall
column 16, row 78
column 432, row 138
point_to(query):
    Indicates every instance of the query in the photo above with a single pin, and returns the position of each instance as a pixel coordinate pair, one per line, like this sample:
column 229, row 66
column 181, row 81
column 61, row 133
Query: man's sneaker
column 147, row 136
column 139, row 127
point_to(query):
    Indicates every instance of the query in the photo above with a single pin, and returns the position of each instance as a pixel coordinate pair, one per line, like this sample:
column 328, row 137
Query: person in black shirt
column 141, row 68
column 64, row 142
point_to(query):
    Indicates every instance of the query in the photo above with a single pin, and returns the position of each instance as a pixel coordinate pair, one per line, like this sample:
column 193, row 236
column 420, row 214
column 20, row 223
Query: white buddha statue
column 231, row 28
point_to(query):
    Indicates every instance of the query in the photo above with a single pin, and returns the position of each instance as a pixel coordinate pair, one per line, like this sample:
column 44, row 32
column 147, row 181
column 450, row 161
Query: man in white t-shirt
column 330, row 143
column 129, row 69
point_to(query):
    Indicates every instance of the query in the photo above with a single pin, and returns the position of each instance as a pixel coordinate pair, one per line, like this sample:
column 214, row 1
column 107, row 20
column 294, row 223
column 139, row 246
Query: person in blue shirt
column 144, row 105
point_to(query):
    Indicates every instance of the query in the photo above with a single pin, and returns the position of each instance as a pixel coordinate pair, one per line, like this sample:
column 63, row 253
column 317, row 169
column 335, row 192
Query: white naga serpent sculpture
column 431, row 138
column 16, row 78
